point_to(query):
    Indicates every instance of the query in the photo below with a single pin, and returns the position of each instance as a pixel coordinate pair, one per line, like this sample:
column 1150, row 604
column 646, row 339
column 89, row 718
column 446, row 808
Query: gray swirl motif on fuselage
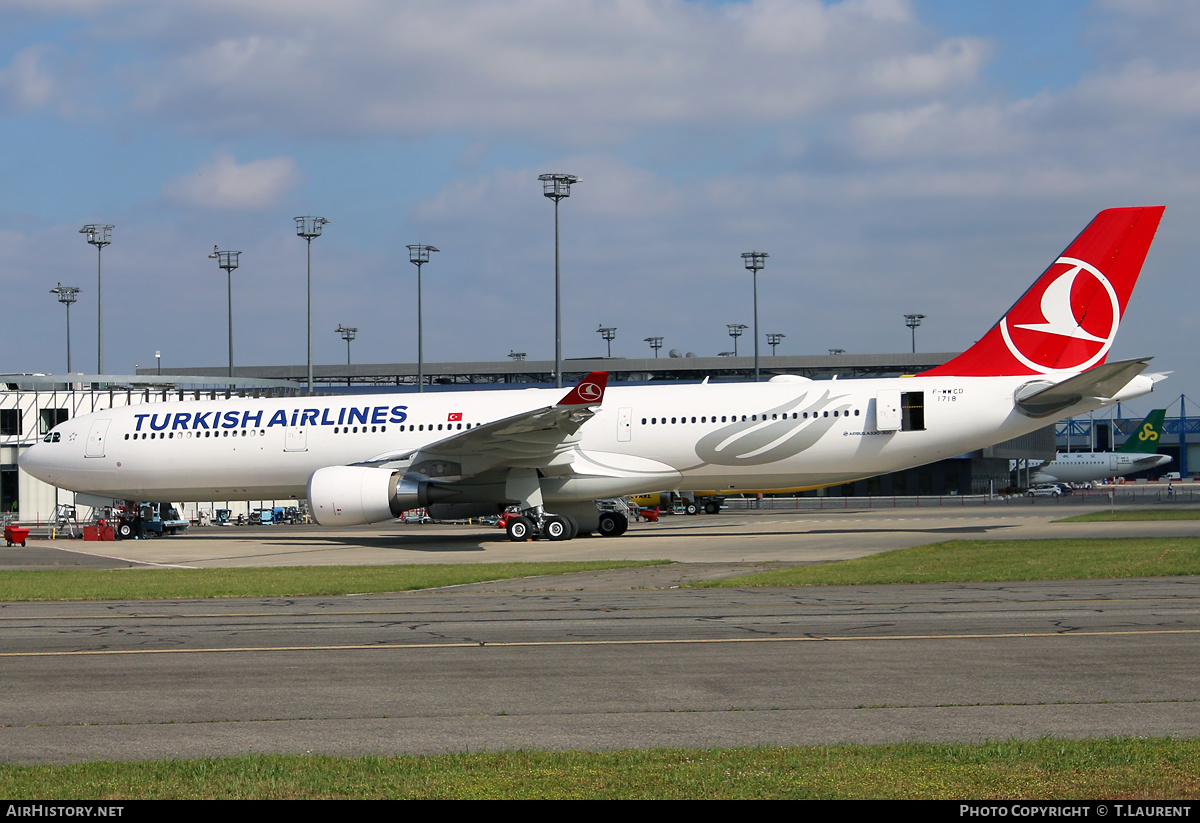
column 749, row 442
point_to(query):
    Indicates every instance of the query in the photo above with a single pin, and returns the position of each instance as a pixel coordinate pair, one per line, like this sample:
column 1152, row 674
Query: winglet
column 589, row 392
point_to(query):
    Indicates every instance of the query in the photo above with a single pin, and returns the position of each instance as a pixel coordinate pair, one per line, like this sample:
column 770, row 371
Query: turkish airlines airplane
column 1139, row 452
column 366, row 459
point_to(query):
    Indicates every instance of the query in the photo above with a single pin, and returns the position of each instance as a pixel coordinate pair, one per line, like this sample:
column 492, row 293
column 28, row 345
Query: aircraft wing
column 531, row 439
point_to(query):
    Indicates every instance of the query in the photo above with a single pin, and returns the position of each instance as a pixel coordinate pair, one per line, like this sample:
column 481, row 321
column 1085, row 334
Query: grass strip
column 1130, row 515
column 283, row 581
column 965, row 561
column 1114, row 768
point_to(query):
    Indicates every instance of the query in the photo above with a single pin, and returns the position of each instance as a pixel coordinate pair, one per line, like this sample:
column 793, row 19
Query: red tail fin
column 1068, row 319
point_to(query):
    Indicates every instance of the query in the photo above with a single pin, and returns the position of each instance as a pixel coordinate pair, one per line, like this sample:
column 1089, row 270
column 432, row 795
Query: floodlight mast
column 67, row 296
column 735, row 331
column 99, row 235
column 557, row 187
column 609, row 334
column 912, row 321
column 348, row 333
column 228, row 260
column 418, row 254
column 655, row 343
column 755, row 260
column 774, row 340
column 309, row 227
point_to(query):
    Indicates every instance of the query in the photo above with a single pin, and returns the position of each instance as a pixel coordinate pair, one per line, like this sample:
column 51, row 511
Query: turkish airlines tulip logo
column 590, row 392
column 1070, row 326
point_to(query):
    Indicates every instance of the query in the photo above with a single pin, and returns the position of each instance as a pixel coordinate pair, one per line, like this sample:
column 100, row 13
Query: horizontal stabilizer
column 1102, row 383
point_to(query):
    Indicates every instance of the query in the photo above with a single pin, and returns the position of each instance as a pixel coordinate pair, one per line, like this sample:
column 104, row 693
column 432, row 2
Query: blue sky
column 891, row 156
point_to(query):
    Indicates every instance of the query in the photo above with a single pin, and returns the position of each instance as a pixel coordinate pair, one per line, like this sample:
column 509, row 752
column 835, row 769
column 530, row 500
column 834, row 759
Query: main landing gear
column 530, row 520
column 534, row 524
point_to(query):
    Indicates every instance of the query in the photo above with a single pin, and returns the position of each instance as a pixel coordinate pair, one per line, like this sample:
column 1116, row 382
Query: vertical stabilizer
column 1148, row 435
column 1067, row 321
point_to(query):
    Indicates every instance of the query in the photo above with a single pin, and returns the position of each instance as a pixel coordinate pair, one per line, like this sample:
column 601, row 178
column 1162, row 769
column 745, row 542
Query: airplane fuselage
column 1083, row 467
column 367, row 459
column 640, row 439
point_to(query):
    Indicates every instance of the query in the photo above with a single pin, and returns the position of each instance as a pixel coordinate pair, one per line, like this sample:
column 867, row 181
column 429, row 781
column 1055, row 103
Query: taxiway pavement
column 604, row 660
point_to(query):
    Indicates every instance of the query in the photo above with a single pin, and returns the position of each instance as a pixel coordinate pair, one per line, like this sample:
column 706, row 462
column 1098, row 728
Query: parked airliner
column 1138, row 453
column 366, row 459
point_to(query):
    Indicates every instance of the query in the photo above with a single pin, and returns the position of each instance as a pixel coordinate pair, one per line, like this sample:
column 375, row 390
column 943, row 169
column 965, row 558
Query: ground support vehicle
column 1048, row 490
column 148, row 520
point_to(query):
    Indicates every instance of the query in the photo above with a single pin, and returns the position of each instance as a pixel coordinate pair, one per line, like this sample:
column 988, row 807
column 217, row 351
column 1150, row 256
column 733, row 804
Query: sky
column 891, row 156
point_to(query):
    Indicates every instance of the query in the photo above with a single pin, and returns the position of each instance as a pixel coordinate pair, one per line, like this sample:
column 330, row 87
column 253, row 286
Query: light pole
column 754, row 262
column 66, row 296
column 655, row 343
column 418, row 255
column 99, row 235
column 158, row 359
column 912, row 321
column 517, row 356
column 837, row 351
column 309, row 227
column 774, row 340
column 228, row 260
column 609, row 334
column 348, row 333
column 556, row 187
column 735, row 331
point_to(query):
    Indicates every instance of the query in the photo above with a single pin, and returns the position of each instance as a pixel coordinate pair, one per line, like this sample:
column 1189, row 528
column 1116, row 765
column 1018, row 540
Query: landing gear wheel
column 574, row 524
column 556, row 527
column 612, row 524
column 520, row 529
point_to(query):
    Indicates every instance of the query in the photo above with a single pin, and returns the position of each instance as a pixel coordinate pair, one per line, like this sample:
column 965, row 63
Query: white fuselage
column 1084, row 467
column 743, row 436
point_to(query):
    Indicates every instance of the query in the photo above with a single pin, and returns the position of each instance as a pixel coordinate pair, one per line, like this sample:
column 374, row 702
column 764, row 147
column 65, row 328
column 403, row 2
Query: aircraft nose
column 30, row 460
column 39, row 461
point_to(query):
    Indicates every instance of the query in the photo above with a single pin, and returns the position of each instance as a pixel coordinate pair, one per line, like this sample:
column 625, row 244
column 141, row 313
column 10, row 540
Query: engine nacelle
column 356, row 495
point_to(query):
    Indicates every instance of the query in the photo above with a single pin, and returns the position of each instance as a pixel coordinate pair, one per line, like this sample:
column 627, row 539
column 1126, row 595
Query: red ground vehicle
column 650, row 515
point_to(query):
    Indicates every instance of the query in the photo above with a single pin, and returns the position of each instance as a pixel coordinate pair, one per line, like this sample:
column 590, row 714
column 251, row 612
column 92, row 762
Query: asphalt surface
column 601, row 660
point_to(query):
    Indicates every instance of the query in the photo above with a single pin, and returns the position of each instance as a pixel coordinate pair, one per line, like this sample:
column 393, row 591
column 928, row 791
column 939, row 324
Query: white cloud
column 1141, row 88
column 580, row 70
column 226, row 184
column 943, row 131
column 27, row 81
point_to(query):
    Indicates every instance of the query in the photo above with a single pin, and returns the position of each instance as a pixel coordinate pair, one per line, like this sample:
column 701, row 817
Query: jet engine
column 355, row 495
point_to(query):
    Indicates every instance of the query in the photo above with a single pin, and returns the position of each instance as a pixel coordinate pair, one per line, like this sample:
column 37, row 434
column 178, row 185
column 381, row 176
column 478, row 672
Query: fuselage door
column 96, row 437
column 624, row 425
column 887, row 410
column 295, row 439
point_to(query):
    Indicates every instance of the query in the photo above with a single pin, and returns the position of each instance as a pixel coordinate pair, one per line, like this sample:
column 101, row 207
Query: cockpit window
column 52, row 437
